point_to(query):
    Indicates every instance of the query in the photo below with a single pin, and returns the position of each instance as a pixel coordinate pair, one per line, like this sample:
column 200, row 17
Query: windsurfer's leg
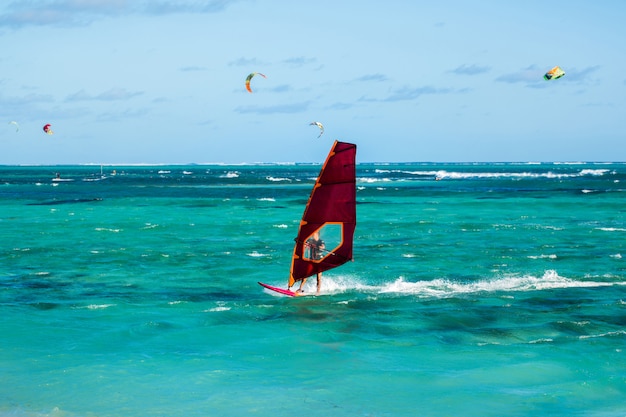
column 319, row 282
column 301, row 284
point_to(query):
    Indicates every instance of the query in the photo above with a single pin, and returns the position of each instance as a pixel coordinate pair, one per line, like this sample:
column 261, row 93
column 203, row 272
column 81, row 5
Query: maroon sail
column 327, row 228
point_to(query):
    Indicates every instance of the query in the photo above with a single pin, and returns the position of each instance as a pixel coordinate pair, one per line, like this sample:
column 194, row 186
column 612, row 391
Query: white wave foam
column 442, row 288
column 402, row 171
column 256, row 254
column 230, row 174
column 373, row 180
column 516, row 175
column 542, row 257
column 596, row 172
column 593, row 336
column 337, row 285
column 96, row 306
column 611, row 229
column 543, row 340
column 445, row 288
column 273, row 179
column 215, row 309
column 221, row 306
column 460, row 175
column 106, row 229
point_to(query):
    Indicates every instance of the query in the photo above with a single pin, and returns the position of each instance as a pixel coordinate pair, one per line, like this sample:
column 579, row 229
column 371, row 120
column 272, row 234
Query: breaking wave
column 446, row 288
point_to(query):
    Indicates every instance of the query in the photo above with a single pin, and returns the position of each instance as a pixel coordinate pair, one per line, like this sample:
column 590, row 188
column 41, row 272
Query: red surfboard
column 279, row 290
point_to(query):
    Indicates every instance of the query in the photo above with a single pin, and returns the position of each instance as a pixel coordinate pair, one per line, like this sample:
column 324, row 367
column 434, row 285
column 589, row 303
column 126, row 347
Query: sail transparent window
column 323, row 242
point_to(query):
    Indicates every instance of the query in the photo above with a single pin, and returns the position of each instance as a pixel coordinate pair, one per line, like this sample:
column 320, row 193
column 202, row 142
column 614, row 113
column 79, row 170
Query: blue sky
column 162, row 81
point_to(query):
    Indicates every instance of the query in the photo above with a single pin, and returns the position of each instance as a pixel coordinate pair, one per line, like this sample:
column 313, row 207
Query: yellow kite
column 554, row 74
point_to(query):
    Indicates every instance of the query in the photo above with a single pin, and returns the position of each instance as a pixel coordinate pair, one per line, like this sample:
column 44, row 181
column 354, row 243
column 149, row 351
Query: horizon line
column 160, row 164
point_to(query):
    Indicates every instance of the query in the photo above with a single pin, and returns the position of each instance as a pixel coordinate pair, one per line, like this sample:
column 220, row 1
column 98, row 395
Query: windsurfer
column 316, row 247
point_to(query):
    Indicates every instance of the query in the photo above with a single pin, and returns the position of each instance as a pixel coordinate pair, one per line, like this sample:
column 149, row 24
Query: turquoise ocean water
column 476, row 290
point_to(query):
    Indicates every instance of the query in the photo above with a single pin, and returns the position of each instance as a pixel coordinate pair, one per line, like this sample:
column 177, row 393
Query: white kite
column 318, row 124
